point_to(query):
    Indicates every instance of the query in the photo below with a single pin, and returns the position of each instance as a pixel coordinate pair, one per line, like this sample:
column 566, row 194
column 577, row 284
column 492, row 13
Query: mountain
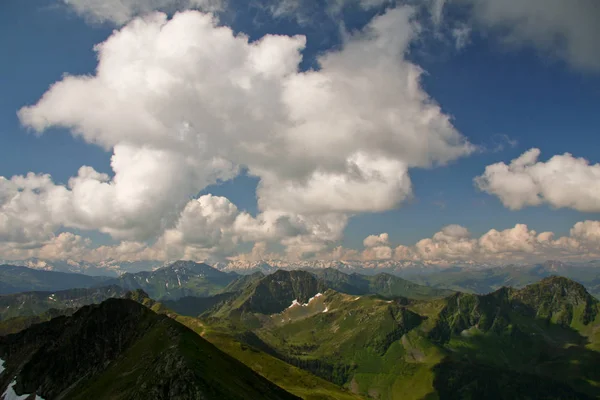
column 15, row 279
column 383, row 284
column 394, row 267
column 35, row 303
column 272, row 294
column 176, row 280
column 108, row 268
column 490, row 279
column 122, row 350
column 541, row 341
column 194, row 306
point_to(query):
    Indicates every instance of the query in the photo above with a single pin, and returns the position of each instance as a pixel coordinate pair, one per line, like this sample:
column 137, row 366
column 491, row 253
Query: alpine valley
column 190, row 331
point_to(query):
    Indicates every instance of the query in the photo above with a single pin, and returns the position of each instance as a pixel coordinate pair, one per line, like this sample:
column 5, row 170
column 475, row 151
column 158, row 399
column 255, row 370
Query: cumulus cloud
column 184, row 103
column 120, row 12
column 562, row 182
column 455, row 243
column 376, row 240
column 69, row 246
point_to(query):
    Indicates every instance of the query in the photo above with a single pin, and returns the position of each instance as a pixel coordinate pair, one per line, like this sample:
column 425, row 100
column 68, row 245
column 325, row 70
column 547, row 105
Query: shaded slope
column 382, row 284
column 35, row 303
column 271, row 294
column 122, row 350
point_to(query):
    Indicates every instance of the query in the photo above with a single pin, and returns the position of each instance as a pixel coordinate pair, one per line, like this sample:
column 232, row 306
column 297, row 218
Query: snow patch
column 10, row 393
column 326, row 309
column 1, row 366
column 295, row 303
column 179, row 280
column 147, row 281
column 356, row 298
column 312, row 298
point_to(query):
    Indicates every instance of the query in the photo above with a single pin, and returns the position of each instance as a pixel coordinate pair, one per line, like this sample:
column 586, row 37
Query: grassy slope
column 364, row 334
column 294, row 380
column 371, row 355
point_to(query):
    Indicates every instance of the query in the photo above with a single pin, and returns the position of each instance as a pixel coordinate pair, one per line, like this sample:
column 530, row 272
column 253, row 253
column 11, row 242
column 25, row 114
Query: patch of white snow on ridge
column 147, row 281
column 312, row 298
column 356, row 298
column 2, row 366
column 326, row 309
column 179, row 280
column 294, row 304
column 10, row 393
column 297, row 303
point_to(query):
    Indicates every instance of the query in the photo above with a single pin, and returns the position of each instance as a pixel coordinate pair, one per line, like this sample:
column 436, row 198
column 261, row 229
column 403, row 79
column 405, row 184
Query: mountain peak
column 274, row 293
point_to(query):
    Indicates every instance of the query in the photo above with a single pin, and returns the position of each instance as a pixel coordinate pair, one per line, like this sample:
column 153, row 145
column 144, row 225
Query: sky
column 437, row 131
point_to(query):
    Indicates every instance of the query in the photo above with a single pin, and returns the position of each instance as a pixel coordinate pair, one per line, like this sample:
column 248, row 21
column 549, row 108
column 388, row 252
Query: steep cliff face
column 122, row 350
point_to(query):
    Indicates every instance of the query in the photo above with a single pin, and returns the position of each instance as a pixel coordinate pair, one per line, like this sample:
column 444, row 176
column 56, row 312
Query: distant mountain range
column 109, row 268
column 490, row 279
column 15, row 279
column 179, row 279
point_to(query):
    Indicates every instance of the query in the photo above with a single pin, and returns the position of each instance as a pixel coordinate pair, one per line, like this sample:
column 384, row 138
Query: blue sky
column 505, row 99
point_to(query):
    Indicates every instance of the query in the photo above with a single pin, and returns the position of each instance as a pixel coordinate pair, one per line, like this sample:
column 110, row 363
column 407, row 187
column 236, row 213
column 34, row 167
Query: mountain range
column 469, row 277
column 16, row 279
column 317, row 334
column 542, row 341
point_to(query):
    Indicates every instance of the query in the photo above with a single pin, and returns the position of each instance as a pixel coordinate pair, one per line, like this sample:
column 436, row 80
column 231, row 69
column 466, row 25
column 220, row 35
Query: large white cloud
column 562, row 181
column 183, row 103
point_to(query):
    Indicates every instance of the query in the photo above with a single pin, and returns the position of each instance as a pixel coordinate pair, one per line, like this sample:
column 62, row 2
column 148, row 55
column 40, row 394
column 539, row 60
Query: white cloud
column 563, row 182
column 376, row 240
column 120, row 12
column 563, row 29
column 183, row 103
column 454, row 243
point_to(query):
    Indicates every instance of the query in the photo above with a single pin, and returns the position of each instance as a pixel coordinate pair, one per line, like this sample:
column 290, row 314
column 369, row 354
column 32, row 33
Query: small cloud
column 461, row 35
column 500, row 142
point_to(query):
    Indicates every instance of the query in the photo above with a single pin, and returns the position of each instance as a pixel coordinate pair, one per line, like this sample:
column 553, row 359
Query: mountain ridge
column 120, row 349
